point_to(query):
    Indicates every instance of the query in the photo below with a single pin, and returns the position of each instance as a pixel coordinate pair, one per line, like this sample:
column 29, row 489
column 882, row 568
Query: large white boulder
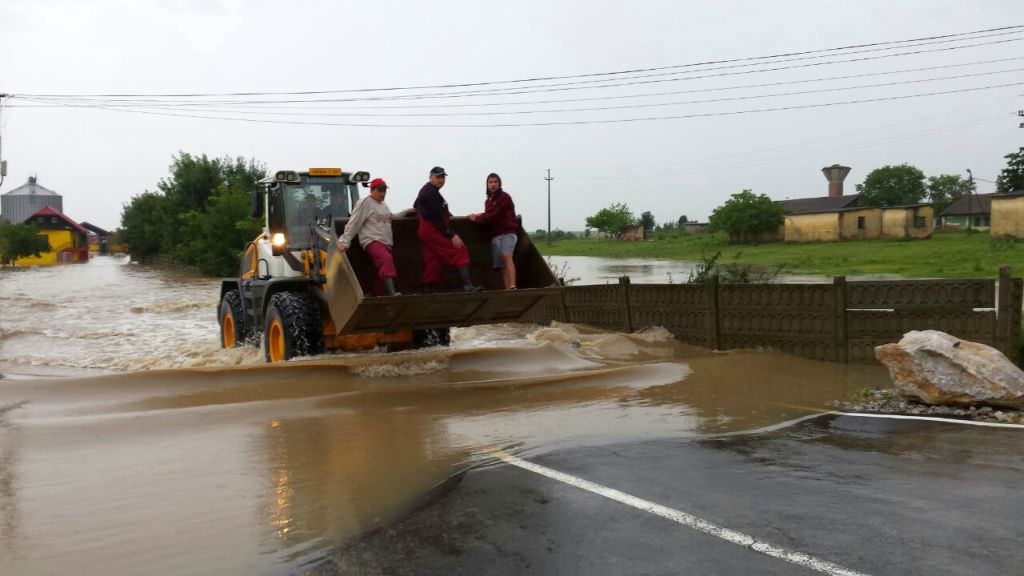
column 941, row 369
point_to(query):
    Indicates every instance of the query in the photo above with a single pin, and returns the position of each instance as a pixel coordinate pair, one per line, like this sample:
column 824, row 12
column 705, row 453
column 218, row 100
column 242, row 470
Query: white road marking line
column 930, row 419
column 684, row 518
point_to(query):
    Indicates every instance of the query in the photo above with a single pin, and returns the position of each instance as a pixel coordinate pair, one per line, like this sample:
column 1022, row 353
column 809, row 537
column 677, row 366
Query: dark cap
column 438, row 171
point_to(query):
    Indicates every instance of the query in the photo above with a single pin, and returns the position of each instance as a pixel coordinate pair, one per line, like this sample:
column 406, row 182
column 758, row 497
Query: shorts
column 504, row 244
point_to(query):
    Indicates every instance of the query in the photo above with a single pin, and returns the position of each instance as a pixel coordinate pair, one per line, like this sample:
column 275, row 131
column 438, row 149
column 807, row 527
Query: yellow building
column 67, row 239
column 1008, row 215
column 915, row 221
column 860, row 224
column 838, row 218
column 813, row 227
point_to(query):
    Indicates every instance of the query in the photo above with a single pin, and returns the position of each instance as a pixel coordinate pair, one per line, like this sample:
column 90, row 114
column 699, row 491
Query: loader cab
column 294, row 200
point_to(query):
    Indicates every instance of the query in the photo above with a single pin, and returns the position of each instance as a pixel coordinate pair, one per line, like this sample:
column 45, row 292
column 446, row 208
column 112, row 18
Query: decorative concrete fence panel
column 842, row 321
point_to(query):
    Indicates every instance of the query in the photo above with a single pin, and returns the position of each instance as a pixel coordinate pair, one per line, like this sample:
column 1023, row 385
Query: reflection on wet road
column 220, row 464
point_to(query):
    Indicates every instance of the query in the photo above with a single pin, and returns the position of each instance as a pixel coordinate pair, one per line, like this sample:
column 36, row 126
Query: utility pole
column 3, row 163
column 549, row 179
column 970, row 208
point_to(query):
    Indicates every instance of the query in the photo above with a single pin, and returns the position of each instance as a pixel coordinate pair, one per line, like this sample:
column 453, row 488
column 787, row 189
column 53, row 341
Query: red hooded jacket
column 499, row 215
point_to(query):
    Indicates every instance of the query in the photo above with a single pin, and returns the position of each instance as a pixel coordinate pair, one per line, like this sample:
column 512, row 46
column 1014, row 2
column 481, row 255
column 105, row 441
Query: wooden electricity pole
column 549, row 179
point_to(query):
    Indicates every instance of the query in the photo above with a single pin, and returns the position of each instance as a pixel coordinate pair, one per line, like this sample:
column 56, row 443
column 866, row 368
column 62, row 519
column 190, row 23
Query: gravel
column 888, row 401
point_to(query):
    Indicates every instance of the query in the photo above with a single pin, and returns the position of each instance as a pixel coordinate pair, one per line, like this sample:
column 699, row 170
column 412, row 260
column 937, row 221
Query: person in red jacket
column 441, row 245
column 499, row 218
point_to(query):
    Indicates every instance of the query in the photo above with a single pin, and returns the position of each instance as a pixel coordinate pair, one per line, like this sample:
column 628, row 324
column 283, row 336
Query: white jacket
column 371, row 221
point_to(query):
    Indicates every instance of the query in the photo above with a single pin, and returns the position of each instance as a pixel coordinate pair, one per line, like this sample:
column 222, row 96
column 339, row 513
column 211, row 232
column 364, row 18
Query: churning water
column 131, row 443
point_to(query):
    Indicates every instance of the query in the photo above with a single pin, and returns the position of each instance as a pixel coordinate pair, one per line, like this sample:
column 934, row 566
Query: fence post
column 840, row 341
column 565, row 307
column 627, row 308
column 714, row 335
column 1004, row 312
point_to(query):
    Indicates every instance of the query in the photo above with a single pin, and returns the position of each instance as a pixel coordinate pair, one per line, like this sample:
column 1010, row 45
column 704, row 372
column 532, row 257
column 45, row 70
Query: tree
column 1011, row 179
column 192, row 181
column 745, row 216
column 145, row 224
column 945, row 189
column 647, row 220
column 199, row 216
column 892, row 186
column 612, row 220
column 20, row 240
column 682, row 220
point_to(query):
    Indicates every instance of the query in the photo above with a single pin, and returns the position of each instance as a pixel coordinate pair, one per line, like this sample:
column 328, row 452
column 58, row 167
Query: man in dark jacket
column 499, row 219
column 441, row 245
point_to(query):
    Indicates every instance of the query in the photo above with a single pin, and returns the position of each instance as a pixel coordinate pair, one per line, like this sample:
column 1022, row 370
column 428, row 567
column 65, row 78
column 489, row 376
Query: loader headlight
column 361, row 176
column 278, row 240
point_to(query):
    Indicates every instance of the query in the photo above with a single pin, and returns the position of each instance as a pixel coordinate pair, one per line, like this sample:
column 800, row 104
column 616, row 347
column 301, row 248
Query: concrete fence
column 842, row 321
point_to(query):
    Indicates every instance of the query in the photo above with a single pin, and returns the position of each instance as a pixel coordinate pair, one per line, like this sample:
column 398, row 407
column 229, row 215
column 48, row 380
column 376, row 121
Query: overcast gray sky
column 98, row 159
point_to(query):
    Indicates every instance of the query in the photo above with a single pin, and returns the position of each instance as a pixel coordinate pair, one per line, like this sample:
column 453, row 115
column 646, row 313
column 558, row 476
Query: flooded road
column 130, row 443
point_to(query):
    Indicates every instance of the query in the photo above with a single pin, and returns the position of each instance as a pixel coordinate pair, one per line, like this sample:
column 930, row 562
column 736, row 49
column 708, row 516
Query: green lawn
column 948, row 254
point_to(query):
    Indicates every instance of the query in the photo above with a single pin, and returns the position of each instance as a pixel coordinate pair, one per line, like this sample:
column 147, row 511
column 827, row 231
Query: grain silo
column 27, row 199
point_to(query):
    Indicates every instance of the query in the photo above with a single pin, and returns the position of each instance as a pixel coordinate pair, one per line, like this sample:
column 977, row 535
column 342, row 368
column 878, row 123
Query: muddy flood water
column 130, row 443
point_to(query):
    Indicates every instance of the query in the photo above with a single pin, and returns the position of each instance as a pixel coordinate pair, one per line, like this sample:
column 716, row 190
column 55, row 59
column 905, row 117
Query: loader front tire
column 292, row 327
column 234, row 330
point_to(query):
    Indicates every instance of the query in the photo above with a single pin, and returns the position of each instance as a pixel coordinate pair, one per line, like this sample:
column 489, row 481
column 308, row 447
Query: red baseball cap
column 378, row 183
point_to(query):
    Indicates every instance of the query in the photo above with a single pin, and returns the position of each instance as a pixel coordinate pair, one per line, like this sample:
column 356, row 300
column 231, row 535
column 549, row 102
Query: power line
column 463, row 95
column 945, row 37
column 787, row 157
column 590, row 109
column 561, row 123
column 261, row 108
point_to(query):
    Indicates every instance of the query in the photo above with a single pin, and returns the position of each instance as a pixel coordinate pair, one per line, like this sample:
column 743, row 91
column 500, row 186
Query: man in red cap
column 441, row 245
column 371, row 221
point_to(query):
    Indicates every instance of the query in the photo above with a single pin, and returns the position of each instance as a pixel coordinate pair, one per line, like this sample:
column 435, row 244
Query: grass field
column 948, row 254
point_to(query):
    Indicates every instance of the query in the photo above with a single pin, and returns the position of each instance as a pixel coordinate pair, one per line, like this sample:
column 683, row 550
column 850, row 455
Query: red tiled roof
column 47, row 211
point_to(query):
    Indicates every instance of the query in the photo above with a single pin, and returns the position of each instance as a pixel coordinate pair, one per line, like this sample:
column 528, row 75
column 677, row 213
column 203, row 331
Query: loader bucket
column 351, row 282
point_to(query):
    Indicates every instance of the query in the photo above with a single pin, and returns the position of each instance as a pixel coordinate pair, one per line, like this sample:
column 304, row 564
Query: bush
column 20, row 240
column 746, row 216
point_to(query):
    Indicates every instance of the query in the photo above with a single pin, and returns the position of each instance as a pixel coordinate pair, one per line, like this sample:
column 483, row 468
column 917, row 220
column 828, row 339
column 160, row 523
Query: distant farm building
column 839, row 217
column 695, row 227
column 25, row 200
column 636, row 232
column 98, row 238
column 68, row 240
column 1008, row 214
column 976, row 209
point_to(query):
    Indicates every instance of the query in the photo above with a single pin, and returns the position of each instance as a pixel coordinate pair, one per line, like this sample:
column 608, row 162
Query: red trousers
column 438, row 251
column 384, row 261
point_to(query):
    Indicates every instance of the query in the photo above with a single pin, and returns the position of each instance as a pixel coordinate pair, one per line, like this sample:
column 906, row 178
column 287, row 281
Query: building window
column 860, row 222
column 919, row 222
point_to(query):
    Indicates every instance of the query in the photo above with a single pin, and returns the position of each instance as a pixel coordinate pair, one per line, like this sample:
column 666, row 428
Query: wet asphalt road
column 873, row 496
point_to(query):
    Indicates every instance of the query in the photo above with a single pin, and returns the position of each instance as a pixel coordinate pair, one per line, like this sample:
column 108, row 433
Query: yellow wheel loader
column 299, row 296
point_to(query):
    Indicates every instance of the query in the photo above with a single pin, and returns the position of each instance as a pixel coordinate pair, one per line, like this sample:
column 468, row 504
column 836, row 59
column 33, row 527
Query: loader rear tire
column 292, row 327
column 234, row 330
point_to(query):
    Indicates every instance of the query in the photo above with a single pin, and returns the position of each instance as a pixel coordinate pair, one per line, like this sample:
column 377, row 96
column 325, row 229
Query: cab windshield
column 316, row 199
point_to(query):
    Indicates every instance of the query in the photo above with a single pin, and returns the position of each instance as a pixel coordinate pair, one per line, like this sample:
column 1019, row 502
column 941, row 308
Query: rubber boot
column 467, row 285
column 389, row 287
